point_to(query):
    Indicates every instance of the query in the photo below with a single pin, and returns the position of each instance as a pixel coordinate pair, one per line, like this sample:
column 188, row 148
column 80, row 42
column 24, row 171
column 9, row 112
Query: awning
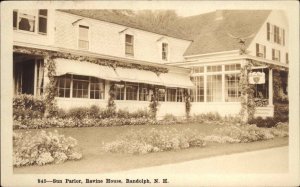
column 66, row 66
column 176, row 80
column 136, row 75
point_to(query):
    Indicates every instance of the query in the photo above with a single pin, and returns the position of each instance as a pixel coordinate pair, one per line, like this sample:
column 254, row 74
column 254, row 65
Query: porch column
column 270, row 87
column 46, row 78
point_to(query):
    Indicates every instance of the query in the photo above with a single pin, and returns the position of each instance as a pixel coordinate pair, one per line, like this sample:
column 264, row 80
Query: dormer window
column 165, row 51
column 83, row 41
column 260, row 50
column 129, row 45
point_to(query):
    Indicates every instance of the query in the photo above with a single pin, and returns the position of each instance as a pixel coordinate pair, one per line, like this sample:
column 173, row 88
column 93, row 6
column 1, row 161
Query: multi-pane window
column 24, row 20
column 232, row 67
column 80, row 86
column 180, row 95
column 83, row 39
column 120, row 89
column 214, row 68
column 164, row 51
column 143, row 92
column 276, row 55
column 161, row 94
column 198, row 69
column 131, row 91
column 29, row 19
column 214, row 88
column 171, row 94
column 96, row 88
column 129, row 45
column 64, row 86
column 198, row 93
column 260, row 50
column 275, row 34
column 232, row 93
column 42, row 27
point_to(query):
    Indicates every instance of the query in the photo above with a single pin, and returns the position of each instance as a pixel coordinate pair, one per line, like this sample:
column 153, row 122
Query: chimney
column 219, row 15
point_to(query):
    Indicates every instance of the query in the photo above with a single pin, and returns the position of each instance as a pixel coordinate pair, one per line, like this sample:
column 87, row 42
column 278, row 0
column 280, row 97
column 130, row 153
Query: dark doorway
column 28, row 77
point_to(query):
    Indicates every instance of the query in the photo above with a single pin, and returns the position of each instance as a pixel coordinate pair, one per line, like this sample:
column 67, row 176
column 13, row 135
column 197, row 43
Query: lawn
column 95, row 160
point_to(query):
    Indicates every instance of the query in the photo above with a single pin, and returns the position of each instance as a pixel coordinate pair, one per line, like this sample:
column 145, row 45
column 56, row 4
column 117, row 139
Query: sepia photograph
column 149, row 94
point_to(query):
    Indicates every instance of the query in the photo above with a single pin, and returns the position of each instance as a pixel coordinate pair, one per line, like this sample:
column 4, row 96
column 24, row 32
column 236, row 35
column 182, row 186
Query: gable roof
column 121, row 17
column 208, row 34
column 211, row 35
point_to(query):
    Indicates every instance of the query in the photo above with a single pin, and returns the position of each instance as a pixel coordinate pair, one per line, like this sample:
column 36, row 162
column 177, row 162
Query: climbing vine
column 50, row 90
column 247, row 94
column 154, row 103
column 104, row 62
column 188, row 104
column 111, row 105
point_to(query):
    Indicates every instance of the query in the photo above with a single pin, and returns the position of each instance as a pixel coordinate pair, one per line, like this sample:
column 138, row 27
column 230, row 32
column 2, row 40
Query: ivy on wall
column 247, row 94
column 104, row 62
column 111, row 105
column 154, row 103
column 278, row 87
column 50, row 90
column 188, row 104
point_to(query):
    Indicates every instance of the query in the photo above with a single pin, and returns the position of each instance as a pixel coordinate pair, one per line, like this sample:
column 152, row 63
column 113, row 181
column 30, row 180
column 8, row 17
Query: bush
column 83, row 122
column 142, row 142
column 43, row 148
column 28, row 106
column 250, row 133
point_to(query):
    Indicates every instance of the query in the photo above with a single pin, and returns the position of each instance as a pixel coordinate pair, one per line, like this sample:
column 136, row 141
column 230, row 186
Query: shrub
column 83, row 122
column 78, row 112
column 43, row 148
column 142, row 142
column 28, row 106
column 249, row 133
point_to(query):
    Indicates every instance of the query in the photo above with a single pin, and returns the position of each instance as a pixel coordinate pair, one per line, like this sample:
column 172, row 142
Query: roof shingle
column 208, row 34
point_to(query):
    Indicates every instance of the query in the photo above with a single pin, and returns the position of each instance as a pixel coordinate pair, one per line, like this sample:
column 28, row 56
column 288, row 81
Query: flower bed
column 43, row 148
column 141, row 142
column 84, row 122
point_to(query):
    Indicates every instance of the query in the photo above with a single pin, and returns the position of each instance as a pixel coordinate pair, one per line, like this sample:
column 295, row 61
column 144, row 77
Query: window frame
column 165, row 51
column 36, row 18
column 274, row 52
column 86, row 79
column 129, row 45
column 260, row 50
column 80, row 39
column 44, row 17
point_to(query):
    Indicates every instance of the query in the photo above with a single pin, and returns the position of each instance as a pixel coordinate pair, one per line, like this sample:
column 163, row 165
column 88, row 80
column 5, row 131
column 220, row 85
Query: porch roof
column 66, row 66
column 135, row 75
column 176, row 80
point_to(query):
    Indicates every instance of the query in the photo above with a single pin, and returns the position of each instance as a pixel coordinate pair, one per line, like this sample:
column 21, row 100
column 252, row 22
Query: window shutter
column 275, row 33
column 283, row 37
column 273, row 54
column 15, row 19
column 257, row 49
column 264, row 51
column 268, row 31
column 279, row 56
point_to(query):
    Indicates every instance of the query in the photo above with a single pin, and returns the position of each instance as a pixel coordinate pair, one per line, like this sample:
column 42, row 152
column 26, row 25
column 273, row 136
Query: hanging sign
column 257, row 78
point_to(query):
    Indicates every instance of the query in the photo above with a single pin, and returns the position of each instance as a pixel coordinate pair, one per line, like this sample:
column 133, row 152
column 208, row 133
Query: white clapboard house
column 93, row 51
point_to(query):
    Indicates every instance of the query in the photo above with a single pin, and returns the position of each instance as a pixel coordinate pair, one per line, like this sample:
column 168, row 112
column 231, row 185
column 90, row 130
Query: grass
column 95, row 160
